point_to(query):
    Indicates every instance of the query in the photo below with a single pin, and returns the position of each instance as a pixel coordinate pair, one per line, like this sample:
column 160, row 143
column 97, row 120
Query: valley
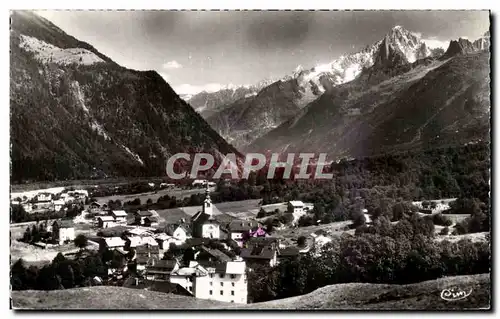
column 102, row 217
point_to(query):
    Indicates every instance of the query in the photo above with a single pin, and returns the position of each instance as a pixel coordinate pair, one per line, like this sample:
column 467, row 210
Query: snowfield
column 48, row 53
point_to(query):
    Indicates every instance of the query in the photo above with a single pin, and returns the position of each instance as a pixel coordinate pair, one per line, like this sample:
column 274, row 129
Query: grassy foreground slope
column 420, row 296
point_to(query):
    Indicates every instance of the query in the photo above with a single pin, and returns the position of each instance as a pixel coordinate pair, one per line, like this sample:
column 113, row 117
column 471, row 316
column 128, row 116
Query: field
column 336, row 228
column 178, row 193
column 361, row 296
column 237, row 209
column 34, row 255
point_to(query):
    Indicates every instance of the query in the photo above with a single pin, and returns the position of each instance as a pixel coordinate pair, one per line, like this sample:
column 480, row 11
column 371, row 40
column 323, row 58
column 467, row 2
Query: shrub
column 444, row 231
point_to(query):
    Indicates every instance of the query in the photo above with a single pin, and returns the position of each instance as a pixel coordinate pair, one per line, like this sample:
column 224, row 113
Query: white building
column 58, row 204
column 296, row 207
column 120, row 216
column 44, row 197
column 178, row 233
column 135, row 241
column 105, row 221
column 112, row 243
column 226, row 282
column 63, row 231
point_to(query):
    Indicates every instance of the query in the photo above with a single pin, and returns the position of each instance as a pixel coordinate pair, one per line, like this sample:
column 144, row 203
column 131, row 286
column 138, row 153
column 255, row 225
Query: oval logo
column 454, row 294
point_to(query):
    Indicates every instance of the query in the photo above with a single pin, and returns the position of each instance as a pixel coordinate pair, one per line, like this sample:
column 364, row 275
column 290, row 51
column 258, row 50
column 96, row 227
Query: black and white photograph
column 250, row 160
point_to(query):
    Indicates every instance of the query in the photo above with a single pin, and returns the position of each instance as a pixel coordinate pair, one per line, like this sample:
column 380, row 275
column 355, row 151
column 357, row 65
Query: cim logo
column 454, row 294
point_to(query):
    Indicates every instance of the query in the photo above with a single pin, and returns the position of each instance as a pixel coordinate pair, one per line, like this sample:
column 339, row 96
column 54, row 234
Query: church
column 203, row 223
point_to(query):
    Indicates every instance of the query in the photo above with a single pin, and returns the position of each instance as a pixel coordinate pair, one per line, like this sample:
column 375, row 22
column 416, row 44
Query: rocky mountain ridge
column 245, row 120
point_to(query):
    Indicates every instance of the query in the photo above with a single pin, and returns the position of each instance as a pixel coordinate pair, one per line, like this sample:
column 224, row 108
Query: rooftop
column 119, row 213
column 242, row 225
column 296, row 203
column 144, row 213
column 114, row 242
column 106, row 218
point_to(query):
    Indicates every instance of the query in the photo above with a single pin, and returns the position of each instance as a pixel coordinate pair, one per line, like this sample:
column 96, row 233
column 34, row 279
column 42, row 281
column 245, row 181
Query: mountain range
column 323, row 108
column 77, row 114
column 245, row 119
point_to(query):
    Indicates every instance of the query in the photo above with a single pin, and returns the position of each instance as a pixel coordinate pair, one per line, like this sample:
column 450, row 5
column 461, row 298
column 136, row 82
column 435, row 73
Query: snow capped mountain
column 208, row 102
column 346, row 68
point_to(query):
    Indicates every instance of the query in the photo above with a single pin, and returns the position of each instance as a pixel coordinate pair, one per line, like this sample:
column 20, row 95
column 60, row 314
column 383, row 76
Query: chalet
column 63, row 231
column 44, row 197
column 140, row 216
column 136, row 241
column 288, row 253
column 203, row 223
column 161, row 269
column 163, row 240
column 118, row 264
column 111, row 243
column 58, row 204
column 225, row 282
column 97, row 207
column 271, row 209
column 105, row 221
column 296, row 207
column 239, row 227
column 261, row 250
column 179, row 232
column 120, row 216
column 144, row 255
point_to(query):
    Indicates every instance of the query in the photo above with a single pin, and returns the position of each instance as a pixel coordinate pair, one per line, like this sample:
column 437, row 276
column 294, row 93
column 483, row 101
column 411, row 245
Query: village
column 204, row 256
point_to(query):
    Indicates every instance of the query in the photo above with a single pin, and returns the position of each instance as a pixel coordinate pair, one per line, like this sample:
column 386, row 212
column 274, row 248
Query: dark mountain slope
column 248, row 118
column 77, row 114
column 426, row 104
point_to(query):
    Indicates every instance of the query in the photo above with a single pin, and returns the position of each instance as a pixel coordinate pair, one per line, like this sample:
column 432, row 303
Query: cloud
column 172, row 65
column 434, row 43
column 193, row 89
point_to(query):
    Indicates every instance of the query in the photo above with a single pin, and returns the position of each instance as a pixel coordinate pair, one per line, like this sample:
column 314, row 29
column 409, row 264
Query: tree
column 18, row 214
column 444, row 231
column 18, row 275
column 359, row 220
column 269, row 225
column 81, row 241
column 301, row 241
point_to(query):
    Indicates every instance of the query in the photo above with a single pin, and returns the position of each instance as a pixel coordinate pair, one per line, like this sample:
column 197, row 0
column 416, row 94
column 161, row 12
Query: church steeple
column 207, row 203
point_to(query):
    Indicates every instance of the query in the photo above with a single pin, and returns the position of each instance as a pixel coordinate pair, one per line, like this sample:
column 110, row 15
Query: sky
column 204, row 50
